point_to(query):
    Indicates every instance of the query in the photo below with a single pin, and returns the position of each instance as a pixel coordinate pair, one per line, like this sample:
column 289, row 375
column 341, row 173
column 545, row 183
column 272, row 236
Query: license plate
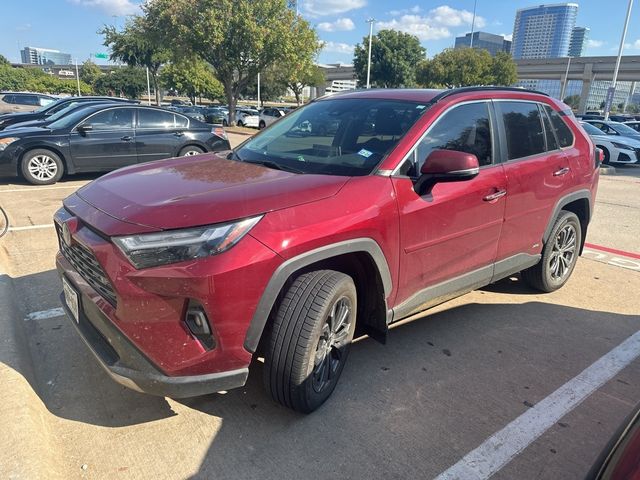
column 71, row 298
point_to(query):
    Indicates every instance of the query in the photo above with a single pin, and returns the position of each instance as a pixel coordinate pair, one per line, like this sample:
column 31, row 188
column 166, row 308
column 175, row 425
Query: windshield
column 62, row 112
column 71, row 119
column 335, row 137
column 50, row 105
column 591, row 130
column 622, row 129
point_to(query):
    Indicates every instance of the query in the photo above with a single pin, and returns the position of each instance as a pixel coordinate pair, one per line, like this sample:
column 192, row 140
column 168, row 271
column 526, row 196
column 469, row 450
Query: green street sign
column 101, row 55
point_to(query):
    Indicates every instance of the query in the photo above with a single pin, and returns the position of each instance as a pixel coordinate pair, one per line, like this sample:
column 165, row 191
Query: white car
column 616, row 149
column 247, row 118
column 270, row 115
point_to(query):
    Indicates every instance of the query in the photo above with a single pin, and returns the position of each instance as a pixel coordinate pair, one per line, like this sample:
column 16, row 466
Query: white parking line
column 31, row 227
column 499, row 449
column 33, row 189
column 44, row 314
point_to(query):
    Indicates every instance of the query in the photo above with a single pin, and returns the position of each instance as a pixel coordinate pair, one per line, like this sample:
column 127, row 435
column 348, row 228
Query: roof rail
column 454, row 91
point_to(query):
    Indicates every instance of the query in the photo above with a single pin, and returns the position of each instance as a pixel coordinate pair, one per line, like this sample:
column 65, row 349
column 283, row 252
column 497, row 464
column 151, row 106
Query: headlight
column 162, row 248
column 5, row 142
column 622, row 145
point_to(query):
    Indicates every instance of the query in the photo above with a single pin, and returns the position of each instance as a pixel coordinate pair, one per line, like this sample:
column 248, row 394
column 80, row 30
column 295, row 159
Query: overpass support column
column 587, row 79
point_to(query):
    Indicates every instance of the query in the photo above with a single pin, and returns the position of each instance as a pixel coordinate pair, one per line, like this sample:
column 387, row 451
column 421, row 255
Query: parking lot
column 447, row 383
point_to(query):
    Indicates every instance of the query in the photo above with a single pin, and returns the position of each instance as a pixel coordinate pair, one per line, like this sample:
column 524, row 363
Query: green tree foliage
column 309, row 76
column 461, row 67
column 35, row 80
column 139, row 44
column 128, row 82
column 4, row 62
column 193, row 78
column 90, row 72
column 573, row 101
column 239, row 38
column 271, row 86
column 394, row 56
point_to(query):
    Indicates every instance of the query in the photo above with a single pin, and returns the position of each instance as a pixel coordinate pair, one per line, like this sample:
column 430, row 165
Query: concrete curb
column 607, row 170
column 25, row 444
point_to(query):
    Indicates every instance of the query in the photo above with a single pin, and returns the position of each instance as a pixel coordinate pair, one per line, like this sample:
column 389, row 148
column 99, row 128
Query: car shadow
column 78, row 177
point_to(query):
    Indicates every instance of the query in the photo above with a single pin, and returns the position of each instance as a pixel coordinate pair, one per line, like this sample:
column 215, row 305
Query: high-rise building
column 486, row 41
column 44, row 56
column 544, row 31
column 579, row 37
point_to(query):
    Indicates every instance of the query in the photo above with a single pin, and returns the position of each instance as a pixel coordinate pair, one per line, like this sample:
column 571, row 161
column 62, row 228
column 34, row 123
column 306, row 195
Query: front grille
column 86, row 264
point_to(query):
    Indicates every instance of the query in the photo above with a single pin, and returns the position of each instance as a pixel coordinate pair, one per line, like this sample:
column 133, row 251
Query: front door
column 453, row 230
column 109, row 144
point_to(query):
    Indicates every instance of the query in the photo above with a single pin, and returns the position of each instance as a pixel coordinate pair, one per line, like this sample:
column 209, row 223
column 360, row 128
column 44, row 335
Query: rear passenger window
column 149, row 118
column 30, row 100
column 523, row 128
column 563, row 132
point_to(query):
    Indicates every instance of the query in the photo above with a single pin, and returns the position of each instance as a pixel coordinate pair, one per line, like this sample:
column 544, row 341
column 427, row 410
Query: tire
column 261, row 125
column 190, row 150
column 606, row 156
column 225, row 123
column 305, row 356
column 552, row 272
column 239, row 123
column 41, row 167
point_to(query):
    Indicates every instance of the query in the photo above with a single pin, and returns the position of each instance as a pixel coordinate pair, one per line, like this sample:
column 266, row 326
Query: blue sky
column 71, row 25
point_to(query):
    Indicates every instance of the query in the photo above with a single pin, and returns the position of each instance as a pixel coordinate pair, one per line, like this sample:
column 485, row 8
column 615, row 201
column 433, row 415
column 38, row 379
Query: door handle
column 562, row 171
column 178, row 134
column 495, row 196
column 126, row 138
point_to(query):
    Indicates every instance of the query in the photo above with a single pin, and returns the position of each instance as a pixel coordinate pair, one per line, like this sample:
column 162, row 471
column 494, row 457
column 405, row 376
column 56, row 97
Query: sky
column 71, row 25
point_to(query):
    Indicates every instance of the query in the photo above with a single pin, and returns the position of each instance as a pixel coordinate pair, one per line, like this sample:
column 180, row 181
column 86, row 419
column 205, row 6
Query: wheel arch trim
column 564, row 201
column 290, row 266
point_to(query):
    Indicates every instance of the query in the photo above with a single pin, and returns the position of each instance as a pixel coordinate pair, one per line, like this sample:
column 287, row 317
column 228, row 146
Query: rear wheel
column 559, row 255
column 261, row 125
column 225, row 123
column 606, row 156
column 42, row 167
column 190, row 150
column 239, row 123
column 310, row 339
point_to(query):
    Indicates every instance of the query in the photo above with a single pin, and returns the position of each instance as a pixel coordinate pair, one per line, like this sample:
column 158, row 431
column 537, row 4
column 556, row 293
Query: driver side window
column 466, row 128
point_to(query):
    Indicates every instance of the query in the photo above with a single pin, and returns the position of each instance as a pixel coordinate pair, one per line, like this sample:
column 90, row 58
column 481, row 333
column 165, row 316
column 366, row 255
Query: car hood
column 23, row 132
column 29, row 123
column 631, row 141
column 16, row 115
column 201, row 190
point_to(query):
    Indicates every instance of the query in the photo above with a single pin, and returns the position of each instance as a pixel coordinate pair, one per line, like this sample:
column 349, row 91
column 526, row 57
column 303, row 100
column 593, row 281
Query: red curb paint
column 612, row 250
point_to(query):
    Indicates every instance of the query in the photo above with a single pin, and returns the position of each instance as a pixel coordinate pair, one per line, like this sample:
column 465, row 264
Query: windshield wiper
column 275, row 166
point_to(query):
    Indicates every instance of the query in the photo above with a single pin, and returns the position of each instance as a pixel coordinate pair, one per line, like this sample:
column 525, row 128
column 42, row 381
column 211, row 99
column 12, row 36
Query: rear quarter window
column 563, row 132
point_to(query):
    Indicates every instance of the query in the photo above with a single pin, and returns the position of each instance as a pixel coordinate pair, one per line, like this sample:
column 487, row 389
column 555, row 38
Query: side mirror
column 446, row 166
column 83, row 129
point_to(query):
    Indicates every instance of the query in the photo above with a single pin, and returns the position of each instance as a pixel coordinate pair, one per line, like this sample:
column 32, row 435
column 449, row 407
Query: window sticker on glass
column 365, row 153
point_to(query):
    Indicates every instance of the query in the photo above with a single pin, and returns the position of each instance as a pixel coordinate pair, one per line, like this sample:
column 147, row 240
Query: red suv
column 177, row 273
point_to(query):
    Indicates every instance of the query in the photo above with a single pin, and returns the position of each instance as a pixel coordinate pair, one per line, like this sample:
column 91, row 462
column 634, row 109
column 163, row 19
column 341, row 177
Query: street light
column 473, row 22
column 612, row 89
column 371, row 21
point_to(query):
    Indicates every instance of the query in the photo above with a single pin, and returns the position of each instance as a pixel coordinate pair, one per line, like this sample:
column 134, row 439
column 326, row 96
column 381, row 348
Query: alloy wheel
column 333, row 338
column 563, row 253
column 191, row 153
column 42, row 167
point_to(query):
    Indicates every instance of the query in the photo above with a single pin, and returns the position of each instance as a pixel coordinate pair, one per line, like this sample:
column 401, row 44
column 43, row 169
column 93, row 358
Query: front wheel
column 261, row 125
column 559, row 255
column 606, row 156
column 42, row 167
column 310, row 339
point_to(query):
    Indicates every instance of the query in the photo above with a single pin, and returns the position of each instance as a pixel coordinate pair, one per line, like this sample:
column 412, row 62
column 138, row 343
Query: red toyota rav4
column 346, row 215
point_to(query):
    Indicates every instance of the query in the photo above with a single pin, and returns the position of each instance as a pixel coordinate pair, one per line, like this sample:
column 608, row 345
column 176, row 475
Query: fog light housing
column 198, row 324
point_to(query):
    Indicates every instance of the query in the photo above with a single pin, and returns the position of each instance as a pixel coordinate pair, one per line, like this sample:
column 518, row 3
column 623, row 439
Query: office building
column 485, row 41
column 44, row 56
column 578, row 42
column 543, row 31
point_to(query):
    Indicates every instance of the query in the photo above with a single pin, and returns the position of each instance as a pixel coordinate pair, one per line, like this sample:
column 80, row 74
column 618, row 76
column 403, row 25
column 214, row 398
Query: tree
column 193, row 78
column 573, row 101
column 310, row 76
column 90, row 72
column 128, row 82
column 4, row 62
column 239, row 38
column 394, row 56
column 461, row 67
column 271, row 86
column 503, row 69
column 139, row 44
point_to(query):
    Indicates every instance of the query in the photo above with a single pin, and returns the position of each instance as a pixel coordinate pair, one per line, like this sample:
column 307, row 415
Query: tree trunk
column 154, row 81
column 231, row 102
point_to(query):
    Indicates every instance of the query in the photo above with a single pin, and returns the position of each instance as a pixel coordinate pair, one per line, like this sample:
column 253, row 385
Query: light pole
column 371, row 21
column 473, row 22
column 612, row 89
column 78, row 77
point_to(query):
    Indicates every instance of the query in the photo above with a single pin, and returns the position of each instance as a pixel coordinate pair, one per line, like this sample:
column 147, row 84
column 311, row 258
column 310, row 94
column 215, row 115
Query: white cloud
column 594, row 43
column 338, row 47
column 404, row 11
column 340, row 25
column 321, row 8
column 507, row 36
column 111, row 7
column 435, row 24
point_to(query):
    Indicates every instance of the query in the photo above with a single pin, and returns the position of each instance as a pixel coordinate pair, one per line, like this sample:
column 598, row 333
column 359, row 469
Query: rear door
column 159, row 134
column 109, row 144
column 538, row 174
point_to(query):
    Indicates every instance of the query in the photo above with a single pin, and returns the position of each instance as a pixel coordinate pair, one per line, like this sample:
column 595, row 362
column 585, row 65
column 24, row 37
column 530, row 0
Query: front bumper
column 129, row 367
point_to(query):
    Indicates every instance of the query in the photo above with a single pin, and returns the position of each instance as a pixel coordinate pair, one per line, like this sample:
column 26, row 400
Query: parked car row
column 219, row 114
column 619, row 142
column 23, row 102
column 100, row 134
